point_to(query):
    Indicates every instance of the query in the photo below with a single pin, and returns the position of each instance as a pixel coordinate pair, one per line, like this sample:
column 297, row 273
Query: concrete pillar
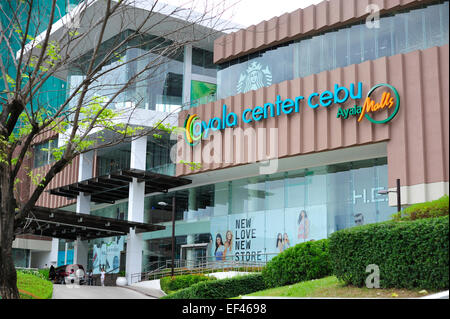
column 65, row 253
column 136, row 211
column 138, row 153
column 187, row 74
column 190, row 260
column 85, row 168
column 53, row 258
column 80, row 253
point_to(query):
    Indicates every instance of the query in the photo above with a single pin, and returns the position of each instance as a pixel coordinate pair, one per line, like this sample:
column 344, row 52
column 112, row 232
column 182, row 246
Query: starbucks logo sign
column 254, row 78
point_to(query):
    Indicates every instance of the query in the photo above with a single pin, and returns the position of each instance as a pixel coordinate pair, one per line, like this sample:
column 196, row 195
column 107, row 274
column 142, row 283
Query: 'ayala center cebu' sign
column 195, row 129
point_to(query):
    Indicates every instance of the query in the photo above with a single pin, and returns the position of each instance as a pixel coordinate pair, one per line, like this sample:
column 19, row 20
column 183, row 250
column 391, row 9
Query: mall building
column 288, row 132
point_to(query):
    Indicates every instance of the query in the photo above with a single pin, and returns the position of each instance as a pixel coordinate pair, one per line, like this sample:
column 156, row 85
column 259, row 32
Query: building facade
column 289, row 131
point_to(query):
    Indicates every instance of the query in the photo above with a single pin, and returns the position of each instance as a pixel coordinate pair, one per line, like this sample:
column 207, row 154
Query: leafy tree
column 35, row 52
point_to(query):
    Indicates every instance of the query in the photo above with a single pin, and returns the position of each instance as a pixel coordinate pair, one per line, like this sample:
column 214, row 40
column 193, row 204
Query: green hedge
column 410, row 254
column 221, row 289
column 302, row 262
column 435, row 208
column 170, row 284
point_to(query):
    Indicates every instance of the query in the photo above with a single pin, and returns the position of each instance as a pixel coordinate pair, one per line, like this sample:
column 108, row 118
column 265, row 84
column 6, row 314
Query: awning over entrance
column 69, row 225
column 115, row 186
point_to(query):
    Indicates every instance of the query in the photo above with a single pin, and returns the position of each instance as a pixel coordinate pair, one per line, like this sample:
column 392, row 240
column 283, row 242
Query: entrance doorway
column 194, row 255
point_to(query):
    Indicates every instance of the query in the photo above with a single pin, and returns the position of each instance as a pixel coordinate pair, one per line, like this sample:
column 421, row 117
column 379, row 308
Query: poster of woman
column 228, row 246
column 279, row 243
column 220, row 248
column 303, row 226
column 286, row 242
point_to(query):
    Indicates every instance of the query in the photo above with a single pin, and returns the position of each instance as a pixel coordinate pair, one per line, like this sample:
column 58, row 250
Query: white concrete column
column 133, row 265
column 190, row 261
column 65, row 253
column 53, row 257
column 85, row 168
column 136, row 210
column 80, row 252
column 187, row 74
column 138, row 153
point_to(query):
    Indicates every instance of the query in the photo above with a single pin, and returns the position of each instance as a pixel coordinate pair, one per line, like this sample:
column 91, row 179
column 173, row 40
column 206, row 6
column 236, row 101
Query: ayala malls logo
column 254, row 78
column 388, row 99
column 371, row 106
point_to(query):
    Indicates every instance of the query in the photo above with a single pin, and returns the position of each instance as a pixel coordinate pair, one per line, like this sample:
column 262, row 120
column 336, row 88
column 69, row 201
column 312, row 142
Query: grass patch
column 331, row 287
column 33, row 287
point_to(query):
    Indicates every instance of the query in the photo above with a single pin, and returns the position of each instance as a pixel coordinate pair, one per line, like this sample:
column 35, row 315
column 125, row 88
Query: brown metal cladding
column 417, row 138
column 301, row 23
column 69, row 175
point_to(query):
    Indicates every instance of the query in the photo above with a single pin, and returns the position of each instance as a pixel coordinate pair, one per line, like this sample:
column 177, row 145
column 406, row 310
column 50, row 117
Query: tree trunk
column 8, row 276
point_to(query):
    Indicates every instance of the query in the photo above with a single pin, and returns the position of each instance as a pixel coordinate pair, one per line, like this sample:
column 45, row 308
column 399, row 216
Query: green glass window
column 43, row 153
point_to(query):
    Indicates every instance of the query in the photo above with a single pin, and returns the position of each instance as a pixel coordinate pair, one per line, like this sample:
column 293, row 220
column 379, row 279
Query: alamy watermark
column 373, row 20
column 373, row 280
column 230, row 146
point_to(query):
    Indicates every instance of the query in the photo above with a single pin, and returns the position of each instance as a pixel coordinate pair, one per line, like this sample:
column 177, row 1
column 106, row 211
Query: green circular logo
column 397, row 106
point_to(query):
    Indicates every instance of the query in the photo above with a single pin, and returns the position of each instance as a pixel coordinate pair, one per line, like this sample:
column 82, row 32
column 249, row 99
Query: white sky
column 249, row 12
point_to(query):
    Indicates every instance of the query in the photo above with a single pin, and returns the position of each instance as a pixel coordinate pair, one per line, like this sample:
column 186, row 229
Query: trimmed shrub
column 302, row 262
column 170, row 284
column 411, row 254
column 221, row 289
column 435, row 208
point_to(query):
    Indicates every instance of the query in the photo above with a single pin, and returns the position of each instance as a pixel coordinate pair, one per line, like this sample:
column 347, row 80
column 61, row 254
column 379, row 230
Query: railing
column 203, row 265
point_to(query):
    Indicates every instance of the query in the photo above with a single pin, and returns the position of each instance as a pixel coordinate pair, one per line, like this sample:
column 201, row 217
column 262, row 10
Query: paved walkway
column 95, row 292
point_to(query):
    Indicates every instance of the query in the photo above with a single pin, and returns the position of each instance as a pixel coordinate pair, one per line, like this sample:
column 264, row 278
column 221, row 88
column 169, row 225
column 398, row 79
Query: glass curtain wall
column 21, row 257
column 158, row 69
column 158, row 154
column 203, row 90
column 113, row 158
column 401, row 32
column 202, row 62
column 256, row 218
column 158, row 160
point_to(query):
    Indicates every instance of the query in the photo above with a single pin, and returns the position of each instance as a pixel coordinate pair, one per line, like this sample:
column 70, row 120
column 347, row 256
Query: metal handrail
column 149, row 266
column 108, row 272
column 201, row 265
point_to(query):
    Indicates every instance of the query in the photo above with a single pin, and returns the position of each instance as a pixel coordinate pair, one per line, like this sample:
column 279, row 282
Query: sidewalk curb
column 440, row 295
column 143, row 291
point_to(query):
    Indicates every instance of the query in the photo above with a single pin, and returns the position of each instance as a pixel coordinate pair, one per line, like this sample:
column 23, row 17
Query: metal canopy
column 69, row 225
column 115, row 186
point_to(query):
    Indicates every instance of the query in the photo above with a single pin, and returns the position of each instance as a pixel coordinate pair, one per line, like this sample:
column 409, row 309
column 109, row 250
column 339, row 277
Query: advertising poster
column 238, row 237
column 107, row 256
column 258, row 236
column 219, row 227
column 307, row 224
column 201, row 92
column 277, row 240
